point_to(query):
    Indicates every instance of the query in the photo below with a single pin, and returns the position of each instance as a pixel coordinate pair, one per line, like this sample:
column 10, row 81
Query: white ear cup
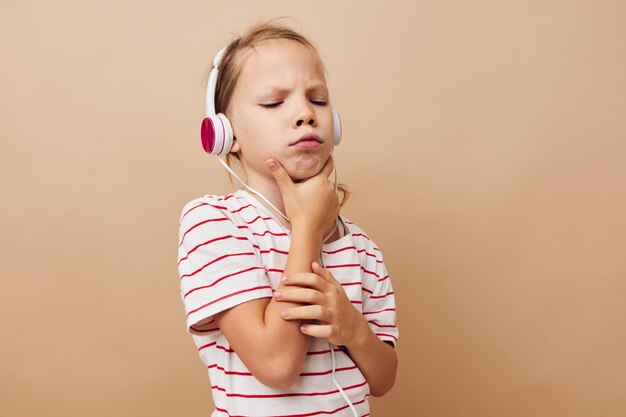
column 216, row 134
column 336, row 128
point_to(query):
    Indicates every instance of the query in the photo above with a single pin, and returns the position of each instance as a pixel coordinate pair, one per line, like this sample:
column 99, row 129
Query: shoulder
column 361, row 239
column 229, row 205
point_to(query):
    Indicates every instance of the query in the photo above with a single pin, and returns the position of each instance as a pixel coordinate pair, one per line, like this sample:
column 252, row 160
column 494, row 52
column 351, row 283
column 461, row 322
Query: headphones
column 216, row 131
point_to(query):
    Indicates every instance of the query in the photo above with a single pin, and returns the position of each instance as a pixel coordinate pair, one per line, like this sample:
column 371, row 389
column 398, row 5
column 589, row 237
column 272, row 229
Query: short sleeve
column 379, row 308
column 218, row 265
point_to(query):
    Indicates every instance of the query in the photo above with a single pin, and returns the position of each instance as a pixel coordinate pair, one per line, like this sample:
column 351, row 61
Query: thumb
column 280, row 175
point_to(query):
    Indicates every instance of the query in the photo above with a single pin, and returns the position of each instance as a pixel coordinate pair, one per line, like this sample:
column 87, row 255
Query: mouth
column 309, row 140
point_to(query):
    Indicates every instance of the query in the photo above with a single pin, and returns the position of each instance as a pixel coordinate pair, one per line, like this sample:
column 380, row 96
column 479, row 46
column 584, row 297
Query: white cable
column 252, row 189
column 341, row 391
column 337, row 225
column 261, row 196
column 334, row 365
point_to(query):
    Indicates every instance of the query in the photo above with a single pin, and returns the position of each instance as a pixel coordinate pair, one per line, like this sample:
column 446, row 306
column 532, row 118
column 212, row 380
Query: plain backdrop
column 484, row 142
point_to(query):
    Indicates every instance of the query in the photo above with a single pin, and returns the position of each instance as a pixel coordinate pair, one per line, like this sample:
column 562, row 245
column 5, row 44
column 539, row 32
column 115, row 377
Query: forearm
column 304, row 249
column 376, row 360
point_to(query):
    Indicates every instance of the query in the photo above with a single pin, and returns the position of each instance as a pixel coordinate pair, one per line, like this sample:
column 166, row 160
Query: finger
column 300, row 295
column 280, row 175
column 306, row 280
column 328, row 167
column 317, row 330
column 322, row 272
column 311, row 312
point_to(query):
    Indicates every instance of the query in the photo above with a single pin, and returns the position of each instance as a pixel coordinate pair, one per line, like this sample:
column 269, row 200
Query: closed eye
column 319, row 102
column 272, row 105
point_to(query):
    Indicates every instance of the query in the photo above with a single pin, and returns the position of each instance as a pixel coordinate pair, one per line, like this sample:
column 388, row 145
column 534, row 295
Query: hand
column 312, row 202
column 341, row 323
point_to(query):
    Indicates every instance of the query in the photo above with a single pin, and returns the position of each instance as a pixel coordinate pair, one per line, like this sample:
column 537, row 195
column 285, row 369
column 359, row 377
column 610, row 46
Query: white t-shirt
column 232, row 250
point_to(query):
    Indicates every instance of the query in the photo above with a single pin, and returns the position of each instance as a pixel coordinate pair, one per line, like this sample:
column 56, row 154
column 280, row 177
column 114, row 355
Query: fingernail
column 271, row 165
column 284, row 278
column 285, row 312
column 303, row 329
column 277, row 294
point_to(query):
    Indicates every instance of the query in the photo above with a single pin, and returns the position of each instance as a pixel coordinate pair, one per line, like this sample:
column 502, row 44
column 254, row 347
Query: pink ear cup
column 216, row 134
column 336, row 128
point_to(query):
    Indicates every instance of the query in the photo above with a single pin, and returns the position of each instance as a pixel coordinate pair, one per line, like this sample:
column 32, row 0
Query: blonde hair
column 232, row 63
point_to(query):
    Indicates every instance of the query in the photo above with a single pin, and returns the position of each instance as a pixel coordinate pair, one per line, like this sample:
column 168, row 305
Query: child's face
column 280, row 96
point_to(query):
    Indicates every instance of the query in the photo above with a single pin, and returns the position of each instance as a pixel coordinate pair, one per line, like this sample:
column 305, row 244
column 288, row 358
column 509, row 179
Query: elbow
column 279, row 373
column 381, row 391
column 384, row 385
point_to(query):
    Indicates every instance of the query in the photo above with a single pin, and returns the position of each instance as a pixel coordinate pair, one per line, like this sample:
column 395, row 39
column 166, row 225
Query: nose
column 305, row 115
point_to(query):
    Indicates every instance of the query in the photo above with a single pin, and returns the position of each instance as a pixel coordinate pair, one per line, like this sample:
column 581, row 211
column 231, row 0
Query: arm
column 274, row 349
column 377, row 360
column 343, row 325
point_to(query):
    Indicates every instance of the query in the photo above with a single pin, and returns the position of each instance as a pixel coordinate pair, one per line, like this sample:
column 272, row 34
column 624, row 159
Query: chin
column 305, row 168
column 299, row 176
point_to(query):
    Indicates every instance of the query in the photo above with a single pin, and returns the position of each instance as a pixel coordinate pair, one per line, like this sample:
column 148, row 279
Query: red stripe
column 330, row 252
column 213, row 205
column 388, row 335
column 353, row 266
column 391, row 326
column 264, row 233
column 227, row 350
column 199, row 205
column 289, row 394
column 382, row 296
column 280, row 271
column 383, row 278
column 352, row 247
column 206, row 346
column 379, row 311
column 241, row 208
column 370, row 272
column 211, row 241
column 330, row 371
column 215, row 260
column 347, row 284
column 229, row 372
column 282, row 252
column 200, row 224
column 221, row 279
column 257, row 218
column 370, row 254
column 228, row 296
column 342, row 266
column 315, row 413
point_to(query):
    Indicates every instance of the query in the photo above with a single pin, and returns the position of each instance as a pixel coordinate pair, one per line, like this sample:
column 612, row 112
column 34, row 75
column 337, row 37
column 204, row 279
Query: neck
column 270, row 190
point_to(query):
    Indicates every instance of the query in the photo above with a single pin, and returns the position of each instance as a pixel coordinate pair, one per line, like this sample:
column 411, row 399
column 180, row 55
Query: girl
column 288, row 303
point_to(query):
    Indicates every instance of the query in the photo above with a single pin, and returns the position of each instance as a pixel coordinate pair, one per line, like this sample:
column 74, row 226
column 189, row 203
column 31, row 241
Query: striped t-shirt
column 232, row 250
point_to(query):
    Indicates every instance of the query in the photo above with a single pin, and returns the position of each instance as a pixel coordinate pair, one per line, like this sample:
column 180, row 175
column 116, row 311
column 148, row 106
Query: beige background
column 484, row 143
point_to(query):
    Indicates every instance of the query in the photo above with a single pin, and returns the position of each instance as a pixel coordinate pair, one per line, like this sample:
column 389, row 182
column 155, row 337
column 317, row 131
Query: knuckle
column 320, row 311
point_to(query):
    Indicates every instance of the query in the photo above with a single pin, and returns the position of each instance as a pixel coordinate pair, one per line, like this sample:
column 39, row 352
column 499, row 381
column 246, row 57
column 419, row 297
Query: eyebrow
column 278, row 89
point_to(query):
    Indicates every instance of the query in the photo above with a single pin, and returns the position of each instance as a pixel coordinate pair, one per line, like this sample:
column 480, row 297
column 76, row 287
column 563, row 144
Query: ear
column 235, row 147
